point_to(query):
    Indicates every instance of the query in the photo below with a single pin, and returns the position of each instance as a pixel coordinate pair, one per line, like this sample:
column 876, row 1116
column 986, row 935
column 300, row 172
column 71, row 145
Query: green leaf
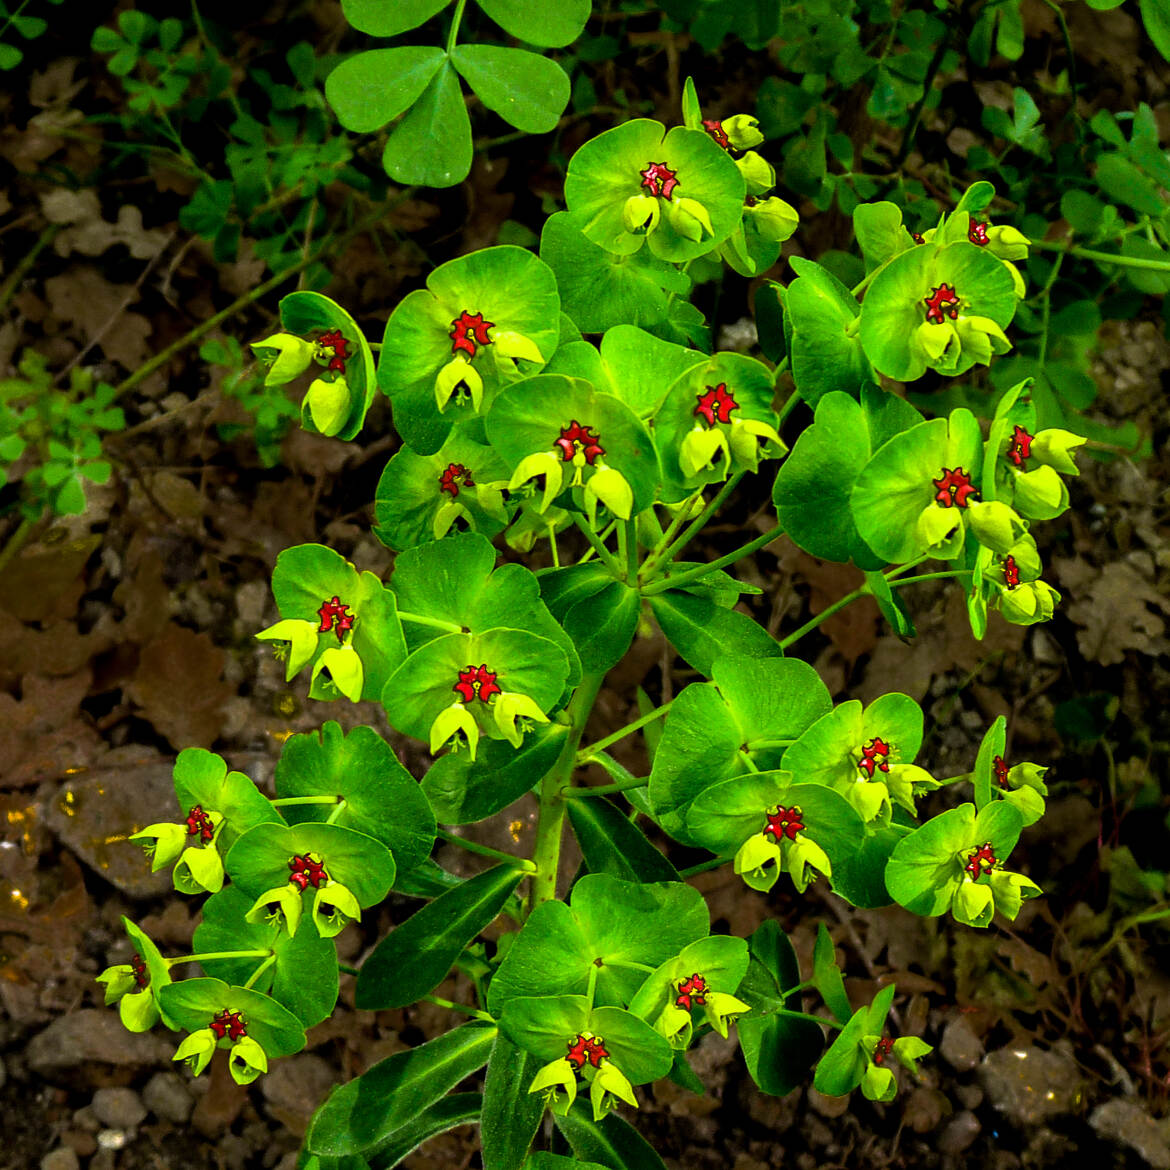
column 549, row 25
column 511, row 1115
column 612, row 1142
column 431, row 146
column 415, row 957
column 380, row 19
column 30, row 27
column 1124, row 183
column 1156, row 18
column 602, row 625
column 611, row 843
column 370, row 89
column 827, row 975
column 527, row 90
column 448, row 1113
column 371, row 1108
column 701, row 630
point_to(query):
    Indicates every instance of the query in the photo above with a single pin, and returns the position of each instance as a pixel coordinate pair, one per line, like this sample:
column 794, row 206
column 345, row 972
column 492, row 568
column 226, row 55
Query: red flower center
column 1011, row 572
column 574, row 438
column 334, row 617
column 692, row 991
column 942, row 302
column 659, row 179
column 307, row 870
column 477, row 682
column 334, row 341
column 953, row 488
column 468, row 332
column 586, row 1049
column 1001, row 772
column 199, row 824
column 229, row 1024
column 977, row 233
column 712, row 126
column 883, row 1049
column 917, row 237
column 1019, row 446
column 784, row 822
column 981, row 860
column 716, row 403
column 141, row 974
column 874, row 755
column 455, row 475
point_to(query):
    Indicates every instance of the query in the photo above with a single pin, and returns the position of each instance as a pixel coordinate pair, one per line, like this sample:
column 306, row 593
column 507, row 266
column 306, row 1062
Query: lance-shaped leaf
column 1021, row 786
column 611, row 843
column 447, row 1113
column 701, row 630
column 304, row 976
column 302, row 312
column 387, row 1098
column 511, row 1114
column 415, row 957
column 609, row 918
column 612, row 1142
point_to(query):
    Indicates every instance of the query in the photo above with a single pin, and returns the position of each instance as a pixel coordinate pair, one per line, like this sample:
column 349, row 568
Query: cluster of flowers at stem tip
column 574, row 458
column 328, row 399
column 721, row 436
column 478, row 691
column 586, row 1056
column 191, row 843
column 781, row 846
column 228, row 1028
column 333, row 903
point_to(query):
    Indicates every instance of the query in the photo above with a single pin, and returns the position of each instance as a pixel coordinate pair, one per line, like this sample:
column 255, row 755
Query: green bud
column 775, row 219
column 333, row 907
column 608, row 485
column 804, row 855
column 302, row 638
column 1007, row 242
column 458, row 372
column 200, row 870
column 722, row 1009
column 196, row 1049
column 1028, row 603
column 759, row 175
column 328, row 404
column 1053, row 447
column 1039, row 494
column 286, row 356
column 743, row 131
column 288, row 903
column 247, row 1061
column 640, row 214
column 936, row 525
column 516, row 346
column 995, row 524
column 546, row 463
column 509, row 706
column 556, row 1075
column 878, row 1083
column 118, row 980
column 345, row 668
column 609, row 1082
column 758, row 862
column 699, row 448
column 973, row 904
column 163, row 843
column 450, row 721
column 1011, row 890
column 690, row 219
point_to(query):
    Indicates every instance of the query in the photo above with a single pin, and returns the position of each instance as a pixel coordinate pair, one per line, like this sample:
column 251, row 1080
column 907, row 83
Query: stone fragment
column 295, row 1087
column 85, row 1047
column 1030, row 1085
column 167, row 1097
column 118, row 1108
column 1125, row 1123
column 960, row 1047
column 959, row 1133
column 62, row 1158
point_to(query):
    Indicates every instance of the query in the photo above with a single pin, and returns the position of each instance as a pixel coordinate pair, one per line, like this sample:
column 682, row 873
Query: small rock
column 102, row 1160
column 85, row 1119
column 970, row 1096
column 828, row 1106
column 959, row 1133
column 1126, row 1123
column 80, row 1048
column 112, row 1139
column 166, row 1096
column 294, row 1088
column 118, row 1108
column 960, row 1047
column 1029, row 1085
column 62, row 1158
column 79, row 1141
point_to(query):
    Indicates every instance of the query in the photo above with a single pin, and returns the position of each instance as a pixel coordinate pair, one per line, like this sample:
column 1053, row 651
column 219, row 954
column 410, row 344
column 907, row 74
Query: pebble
column 1127, row 1124
column 294, row 1088
column 79, row 1048
column 118, row 1108
column 166, row 1096
column 959, row 1133
column 112, row 1139
column 828, row 1106
column 62, row 1158
column 1029, row 1085
column 960, row 1047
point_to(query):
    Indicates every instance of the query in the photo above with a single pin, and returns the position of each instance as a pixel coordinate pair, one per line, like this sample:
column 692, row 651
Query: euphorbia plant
column 616, row 450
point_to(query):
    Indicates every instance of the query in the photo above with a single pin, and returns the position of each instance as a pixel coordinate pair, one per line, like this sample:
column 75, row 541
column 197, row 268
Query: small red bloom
column 712, row 126
column 692, row 991
column 942, row 302
column 1011, row 572
column 199, row 823
column 586, row 1049
column 977, row 233
column 141, row 974
column 574, row 436
column 334, row 341
column 874, row 755
column 784, row 822
column 455, row 475
column 659, row 179
column 477, row 681
column 982, row 857
column 750, row 201
column 1001, row 772
column 883, row 1049
column 1019, row 446
column 918, row 237
column 229, row 1024
column 334, row 617
column 468, row 332
column 307, row 871
column 953, row 488
column 716, row 403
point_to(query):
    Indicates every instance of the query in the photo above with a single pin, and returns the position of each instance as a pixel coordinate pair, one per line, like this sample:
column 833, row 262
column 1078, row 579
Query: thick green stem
column 487, row 851
column 685, row 578
column 16, row 541
column 283, row 801
column 676, row 522
column 606, row 556
column 703, row 866
column 1104, row 257
column 435, row 623
column 631, row 530
column 547, row 853
column 458, row 1007
column 264, row 965
column 607, row 789
column 900, row 581
column 804, row 1016
column 693, row 529
column 455, row 22
column 584, row 755
column 204, row 956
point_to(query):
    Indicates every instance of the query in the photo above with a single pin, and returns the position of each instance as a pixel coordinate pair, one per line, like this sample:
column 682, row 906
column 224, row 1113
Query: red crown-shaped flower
column 586, row 1050
column 981, row 860
column 139, row 971
column 882, row 1049
column 716, row 404
column 692, row 991
column 455, row 475
column 954, row 488
column 306, row 870
column 784, row 822
column 468, row 332
column 712, row 126
column 977, row 233
column 1019, row 446
column 477, row 682
column 1011, row 572
column 942, row 302
column 875, row 756
column 575, row 437
column 199, row 823
column 333, row 340
column 659, row 179
column 229, row 1024
column 999, row 765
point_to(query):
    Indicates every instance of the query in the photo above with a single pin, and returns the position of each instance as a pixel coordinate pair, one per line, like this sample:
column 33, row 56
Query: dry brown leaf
column 41, row 584
column 179, row 685
column 84, row 298
column 89, row 233
column 1113, row 615
column 42, row 734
